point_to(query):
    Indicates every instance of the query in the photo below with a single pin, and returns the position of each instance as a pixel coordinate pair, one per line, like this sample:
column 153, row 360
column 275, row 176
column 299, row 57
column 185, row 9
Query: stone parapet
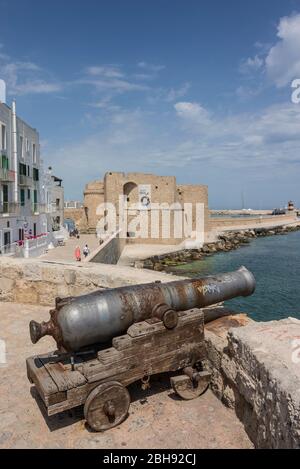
column 36, row 282
column 256, row 371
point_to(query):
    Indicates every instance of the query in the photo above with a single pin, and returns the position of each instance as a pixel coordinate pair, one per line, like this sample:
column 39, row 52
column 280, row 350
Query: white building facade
column 23, row 209
column 53, row 198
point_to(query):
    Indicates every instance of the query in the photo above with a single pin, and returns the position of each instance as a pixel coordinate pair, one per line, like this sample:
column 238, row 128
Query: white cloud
column 245, row 93
column 108, row 71
column 148, row 71
column 193, row 112
column 113, row 85
column 283, row 59
column 25, row 77
column 109, row 79
column 280, row 62
column 176, row 93
column 37, row 87
column 264, row 143
column 151, row 67
column 251, row 64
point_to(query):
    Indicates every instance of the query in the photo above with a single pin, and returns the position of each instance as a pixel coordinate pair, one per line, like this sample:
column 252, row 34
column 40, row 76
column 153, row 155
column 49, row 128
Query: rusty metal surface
column 96, row 318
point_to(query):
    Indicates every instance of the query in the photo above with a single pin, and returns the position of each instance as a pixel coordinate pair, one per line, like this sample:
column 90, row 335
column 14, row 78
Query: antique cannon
column 95, row 318
column 163, row 327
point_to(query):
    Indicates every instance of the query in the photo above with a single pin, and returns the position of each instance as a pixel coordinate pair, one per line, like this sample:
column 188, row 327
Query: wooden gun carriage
column 99, row 379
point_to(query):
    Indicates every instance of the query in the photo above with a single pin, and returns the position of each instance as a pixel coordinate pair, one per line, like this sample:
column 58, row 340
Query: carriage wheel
column 106, row 406
column 188, row 388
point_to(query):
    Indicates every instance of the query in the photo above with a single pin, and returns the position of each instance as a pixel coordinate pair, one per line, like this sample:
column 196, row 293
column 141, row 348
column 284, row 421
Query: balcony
column 53, row 207
column 9, row 208
column 6, row 175
column 38, row 208
column 25, row 181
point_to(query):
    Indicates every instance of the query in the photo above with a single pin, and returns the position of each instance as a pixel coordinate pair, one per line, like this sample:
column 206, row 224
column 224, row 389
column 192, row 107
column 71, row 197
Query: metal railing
column 26, row 248
column 9, row 208
column 6, row 175
column 25, row 180
column 38, row 208
column 10, row 249
column 53, row 207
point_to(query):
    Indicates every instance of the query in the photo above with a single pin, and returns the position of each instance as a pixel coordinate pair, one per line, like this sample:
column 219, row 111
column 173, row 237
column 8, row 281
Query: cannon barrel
column 97, row 317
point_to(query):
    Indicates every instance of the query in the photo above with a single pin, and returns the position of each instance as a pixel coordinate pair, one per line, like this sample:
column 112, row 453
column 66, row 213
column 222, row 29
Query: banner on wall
column 144, row 196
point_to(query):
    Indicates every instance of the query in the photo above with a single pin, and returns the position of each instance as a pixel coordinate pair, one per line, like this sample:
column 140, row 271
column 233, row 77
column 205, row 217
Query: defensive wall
column 227, row 223
column 109, row 252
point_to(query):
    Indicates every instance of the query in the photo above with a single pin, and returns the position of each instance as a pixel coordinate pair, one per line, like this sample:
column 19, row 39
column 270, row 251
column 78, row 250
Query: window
column 35, row 200
column 4, row 162
column 6, row 238
column 22, row 197
column 27, row 145
column 23, row 169
column 21, row 146
column 5, row 199
column 35, row 174
column 5, row 193
column 3, row 137
column 28, row 193
column 34, row 152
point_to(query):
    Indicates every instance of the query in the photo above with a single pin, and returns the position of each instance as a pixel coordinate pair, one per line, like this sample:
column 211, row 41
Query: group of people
column 74, row 233
column 85, row 251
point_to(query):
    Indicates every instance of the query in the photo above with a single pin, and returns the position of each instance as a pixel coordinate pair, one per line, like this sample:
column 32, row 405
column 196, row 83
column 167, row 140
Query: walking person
column 78, row 254
column 86, row 251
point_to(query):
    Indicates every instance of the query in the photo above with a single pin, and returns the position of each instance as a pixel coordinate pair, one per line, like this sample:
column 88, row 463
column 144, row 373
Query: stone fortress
column 147, row 190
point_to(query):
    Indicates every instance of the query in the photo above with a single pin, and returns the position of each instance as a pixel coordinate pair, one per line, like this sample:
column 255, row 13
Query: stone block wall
column 93, row 197
column 163, row 190
column 78, row 216
column 256, row 371
column 36, row 282
column 224, row 223
column 109, row 252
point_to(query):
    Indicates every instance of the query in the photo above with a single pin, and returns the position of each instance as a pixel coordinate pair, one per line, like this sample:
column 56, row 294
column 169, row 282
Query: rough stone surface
column 36, row 281
column 256, row 371
column 157, row 418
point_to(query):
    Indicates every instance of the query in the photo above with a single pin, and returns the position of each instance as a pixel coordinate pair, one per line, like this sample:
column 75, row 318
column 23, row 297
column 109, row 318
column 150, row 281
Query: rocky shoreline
column 226, row 242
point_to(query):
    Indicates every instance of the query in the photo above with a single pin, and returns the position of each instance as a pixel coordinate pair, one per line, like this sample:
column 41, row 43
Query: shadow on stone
column 61, row 420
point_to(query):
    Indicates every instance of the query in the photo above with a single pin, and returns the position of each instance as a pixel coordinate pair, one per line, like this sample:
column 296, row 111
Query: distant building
column 145, row 190
column 73, row 204
column 291, row 206
column 24, row 207
column 53, row 197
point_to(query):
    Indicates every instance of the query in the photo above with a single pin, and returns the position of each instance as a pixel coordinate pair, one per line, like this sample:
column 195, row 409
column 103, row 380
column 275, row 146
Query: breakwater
column 226, row 242
column 275, row 263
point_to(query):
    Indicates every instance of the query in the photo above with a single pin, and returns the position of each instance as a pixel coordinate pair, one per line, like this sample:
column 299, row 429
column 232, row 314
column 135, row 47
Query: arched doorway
column 130, row 191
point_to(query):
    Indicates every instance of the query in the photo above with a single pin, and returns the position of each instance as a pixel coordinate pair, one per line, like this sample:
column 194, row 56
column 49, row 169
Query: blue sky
column 196, row 89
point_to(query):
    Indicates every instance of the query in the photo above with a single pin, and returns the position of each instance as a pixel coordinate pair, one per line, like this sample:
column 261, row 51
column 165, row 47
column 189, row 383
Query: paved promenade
column 66, row 253
column 157, row 418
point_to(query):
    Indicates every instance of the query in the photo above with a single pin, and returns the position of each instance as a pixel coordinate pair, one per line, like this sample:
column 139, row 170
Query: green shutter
column 22, row 196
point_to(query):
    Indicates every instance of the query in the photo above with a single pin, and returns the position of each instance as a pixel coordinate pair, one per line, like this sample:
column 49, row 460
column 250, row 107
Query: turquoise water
column 275, row 263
